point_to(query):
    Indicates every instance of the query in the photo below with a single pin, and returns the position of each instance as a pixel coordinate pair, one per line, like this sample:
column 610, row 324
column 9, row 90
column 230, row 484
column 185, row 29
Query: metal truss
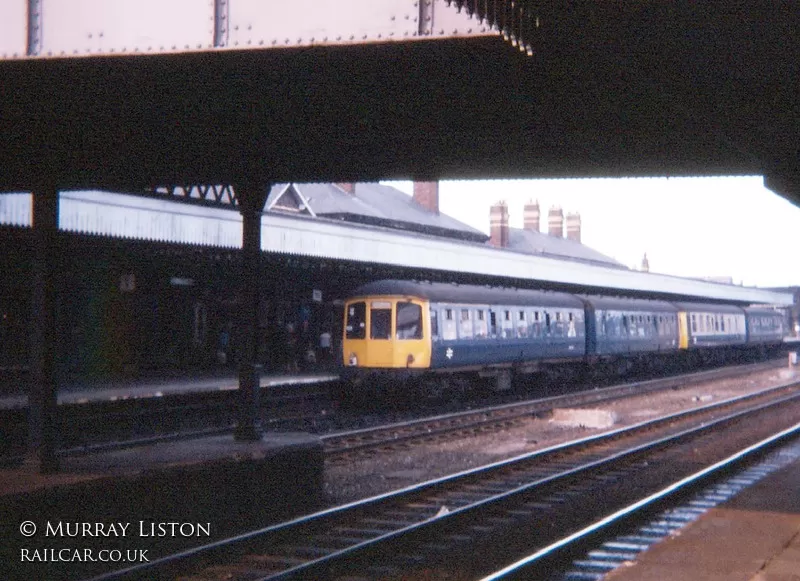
column 221, row 196
column 516, row 20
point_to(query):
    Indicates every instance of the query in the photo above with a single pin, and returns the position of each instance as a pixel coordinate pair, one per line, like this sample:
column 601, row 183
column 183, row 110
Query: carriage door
column 683, row 330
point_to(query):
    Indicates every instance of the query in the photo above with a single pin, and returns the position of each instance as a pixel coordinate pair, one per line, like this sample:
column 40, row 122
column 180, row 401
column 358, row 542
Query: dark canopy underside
column 611, row 89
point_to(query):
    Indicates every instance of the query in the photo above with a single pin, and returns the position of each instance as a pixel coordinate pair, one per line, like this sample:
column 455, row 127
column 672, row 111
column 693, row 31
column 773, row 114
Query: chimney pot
column 574, row 226
column 555, row 222
column 426, row 194
column 531, row 216
column 498, row 225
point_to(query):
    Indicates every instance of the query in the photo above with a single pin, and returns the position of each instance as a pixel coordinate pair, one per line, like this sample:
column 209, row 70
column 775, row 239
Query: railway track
column 341, row 446
column 96, row 426
column 619, row 538
column 473, row 522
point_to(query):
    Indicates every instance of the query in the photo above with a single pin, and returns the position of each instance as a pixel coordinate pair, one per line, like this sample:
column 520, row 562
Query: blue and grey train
column 400, row 329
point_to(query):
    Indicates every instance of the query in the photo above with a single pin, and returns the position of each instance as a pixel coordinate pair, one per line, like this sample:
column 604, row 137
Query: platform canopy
column 141, row 93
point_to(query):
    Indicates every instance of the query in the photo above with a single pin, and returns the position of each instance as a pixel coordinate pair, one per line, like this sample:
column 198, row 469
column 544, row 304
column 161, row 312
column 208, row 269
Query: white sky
column 694, row 227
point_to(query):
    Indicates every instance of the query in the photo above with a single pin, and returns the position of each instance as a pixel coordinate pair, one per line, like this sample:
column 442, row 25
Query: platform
column 212, row 487
column 88, row 392
column 753, row 537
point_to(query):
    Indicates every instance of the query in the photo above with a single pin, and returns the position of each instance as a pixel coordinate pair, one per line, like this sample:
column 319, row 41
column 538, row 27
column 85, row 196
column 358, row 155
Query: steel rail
column 304, row 527
column 351, row 441
column 538, row 560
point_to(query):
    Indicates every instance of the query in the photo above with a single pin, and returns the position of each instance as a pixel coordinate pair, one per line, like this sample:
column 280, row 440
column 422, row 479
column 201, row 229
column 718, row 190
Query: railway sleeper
column 366, row 533
column 312, row 552
column 278, row 562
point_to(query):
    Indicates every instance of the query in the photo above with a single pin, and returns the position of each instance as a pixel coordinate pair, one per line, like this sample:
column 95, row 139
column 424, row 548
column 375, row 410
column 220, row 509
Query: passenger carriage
column 409, row 327
column 624, row 326
column 766, row 329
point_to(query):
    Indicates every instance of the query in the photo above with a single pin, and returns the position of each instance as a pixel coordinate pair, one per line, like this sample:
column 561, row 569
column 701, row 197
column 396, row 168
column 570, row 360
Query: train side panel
column 484, row 335
column 709, row 326
column 764, row 326
column 630, row 326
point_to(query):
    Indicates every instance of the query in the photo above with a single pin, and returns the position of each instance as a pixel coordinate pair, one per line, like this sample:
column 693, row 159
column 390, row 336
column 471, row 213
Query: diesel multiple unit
column 398, row 328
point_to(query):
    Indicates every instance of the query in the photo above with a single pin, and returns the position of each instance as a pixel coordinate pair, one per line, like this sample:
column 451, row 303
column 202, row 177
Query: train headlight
column 352, row 360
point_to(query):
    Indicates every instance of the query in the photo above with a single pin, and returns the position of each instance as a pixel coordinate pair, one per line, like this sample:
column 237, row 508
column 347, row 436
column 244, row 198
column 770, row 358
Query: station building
column 150, row 286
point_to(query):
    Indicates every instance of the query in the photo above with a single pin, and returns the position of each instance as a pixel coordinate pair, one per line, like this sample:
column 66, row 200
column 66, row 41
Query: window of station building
column 694, row 323
column 492, row 324
column 722, row 324
column 380, row 320
column 547, row 322
column 465, row 328
column 408, row 321
column 716, row 323
column 355, row 327
column 434, row 324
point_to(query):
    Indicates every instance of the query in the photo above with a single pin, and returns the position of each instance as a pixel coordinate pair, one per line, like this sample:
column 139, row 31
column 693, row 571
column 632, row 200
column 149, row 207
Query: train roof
column 626, row 304
column 709, row 308
column 458, row 293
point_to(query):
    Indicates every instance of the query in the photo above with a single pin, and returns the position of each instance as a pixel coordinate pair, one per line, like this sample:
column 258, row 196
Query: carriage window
column 522, row 326
column 380, row 326
column 448, row 324
column 481, row 329
column 434, row 324
column 465, row 329
column 408, row 322
column 508, row 326
column 356, row 325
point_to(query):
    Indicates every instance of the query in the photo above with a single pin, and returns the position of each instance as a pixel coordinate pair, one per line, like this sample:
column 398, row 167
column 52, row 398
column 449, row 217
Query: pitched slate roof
column 374, row 204
column 532, row 242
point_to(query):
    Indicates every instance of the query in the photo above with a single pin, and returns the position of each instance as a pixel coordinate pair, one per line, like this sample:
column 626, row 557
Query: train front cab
column 385, row 334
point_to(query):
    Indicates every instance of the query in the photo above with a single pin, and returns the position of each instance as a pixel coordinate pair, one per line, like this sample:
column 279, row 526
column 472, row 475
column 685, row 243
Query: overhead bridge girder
column 79, row 28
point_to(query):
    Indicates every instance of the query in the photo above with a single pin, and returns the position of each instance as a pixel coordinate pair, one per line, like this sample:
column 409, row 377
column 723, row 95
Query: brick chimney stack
column 498, row 225
column 426, row 194
column 555, row 222
column 530, row 216
column 574, row 226
column 645, row 263
column 349, row 187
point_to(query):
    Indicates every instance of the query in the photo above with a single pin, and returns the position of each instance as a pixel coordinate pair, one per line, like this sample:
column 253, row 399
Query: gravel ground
column 391, row 470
